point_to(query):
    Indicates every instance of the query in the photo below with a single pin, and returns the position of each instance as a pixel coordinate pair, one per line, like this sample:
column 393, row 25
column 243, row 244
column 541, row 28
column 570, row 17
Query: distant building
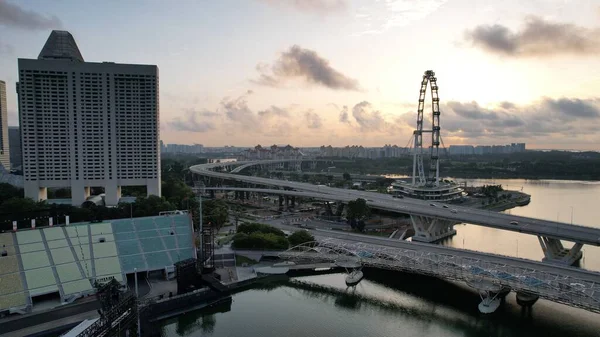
column 4, row 145
column 87, row 124
column 14, row 140
column 463, row 150
column 182, row 148
column 355, row 151
column 273, row 152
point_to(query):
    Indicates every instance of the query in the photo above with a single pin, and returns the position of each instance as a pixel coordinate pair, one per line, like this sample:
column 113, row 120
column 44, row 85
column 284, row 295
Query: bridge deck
column 552, row 229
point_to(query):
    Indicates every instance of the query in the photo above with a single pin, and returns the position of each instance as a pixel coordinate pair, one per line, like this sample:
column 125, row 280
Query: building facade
column 4, row 145
column 14, row 141
column 87, row 124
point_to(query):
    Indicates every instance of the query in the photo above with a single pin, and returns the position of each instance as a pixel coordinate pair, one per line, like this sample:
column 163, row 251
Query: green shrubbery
column 254, row 227
column 261, row 236
column 300, row 237
column 258, row 240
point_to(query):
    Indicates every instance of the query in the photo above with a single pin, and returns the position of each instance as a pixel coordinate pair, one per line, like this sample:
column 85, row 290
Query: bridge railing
column 555, row 287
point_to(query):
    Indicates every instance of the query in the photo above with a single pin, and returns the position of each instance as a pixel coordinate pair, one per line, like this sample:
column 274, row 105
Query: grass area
column 239, row 260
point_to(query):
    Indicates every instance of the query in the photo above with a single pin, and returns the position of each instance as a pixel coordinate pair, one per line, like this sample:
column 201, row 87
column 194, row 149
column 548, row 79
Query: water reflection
column 383, row 304
column 195, row 321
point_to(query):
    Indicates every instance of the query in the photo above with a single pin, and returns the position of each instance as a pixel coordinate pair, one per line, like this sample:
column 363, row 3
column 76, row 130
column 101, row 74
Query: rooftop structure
column 87, row 124
column 68, row 259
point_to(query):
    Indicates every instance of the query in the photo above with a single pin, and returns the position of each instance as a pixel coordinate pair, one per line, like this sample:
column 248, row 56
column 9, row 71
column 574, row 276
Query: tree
column 357, row 209
column 19, row 205
column 215, row 211
column 347, row 176
column 300, row 237
column 151, row 205
column 8, row 191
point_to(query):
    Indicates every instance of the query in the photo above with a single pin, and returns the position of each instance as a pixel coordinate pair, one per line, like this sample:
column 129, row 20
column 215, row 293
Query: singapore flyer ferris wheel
column 433, row 177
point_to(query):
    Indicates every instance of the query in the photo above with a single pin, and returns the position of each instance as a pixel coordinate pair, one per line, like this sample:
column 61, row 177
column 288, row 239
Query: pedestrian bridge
column 571, row 286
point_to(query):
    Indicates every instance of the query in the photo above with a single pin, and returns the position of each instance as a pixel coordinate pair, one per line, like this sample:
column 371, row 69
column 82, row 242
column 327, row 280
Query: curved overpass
column 533, row 226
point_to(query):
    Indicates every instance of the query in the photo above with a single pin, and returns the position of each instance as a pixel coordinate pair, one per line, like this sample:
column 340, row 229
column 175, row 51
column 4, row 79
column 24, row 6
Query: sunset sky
column 340, row 72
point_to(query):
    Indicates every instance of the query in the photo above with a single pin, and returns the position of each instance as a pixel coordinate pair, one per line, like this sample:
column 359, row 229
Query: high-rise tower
column 86, row 124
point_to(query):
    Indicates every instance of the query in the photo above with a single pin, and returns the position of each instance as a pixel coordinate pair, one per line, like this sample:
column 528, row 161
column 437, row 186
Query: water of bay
column 396, row 304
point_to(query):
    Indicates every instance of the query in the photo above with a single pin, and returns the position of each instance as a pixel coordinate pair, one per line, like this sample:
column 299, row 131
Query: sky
column 340, row 72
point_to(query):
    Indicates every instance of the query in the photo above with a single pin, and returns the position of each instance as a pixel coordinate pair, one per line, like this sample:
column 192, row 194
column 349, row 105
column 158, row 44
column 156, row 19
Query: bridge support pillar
column 555, row 252
column 431, row 229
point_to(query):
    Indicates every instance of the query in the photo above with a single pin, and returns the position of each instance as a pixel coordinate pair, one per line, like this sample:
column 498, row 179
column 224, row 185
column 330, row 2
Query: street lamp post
column 137, row 298
column 200, row 227
column 571, row 215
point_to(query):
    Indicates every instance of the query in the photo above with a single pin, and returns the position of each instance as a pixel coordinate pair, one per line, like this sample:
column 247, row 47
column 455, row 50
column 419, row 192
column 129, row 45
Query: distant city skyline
column 340, row 71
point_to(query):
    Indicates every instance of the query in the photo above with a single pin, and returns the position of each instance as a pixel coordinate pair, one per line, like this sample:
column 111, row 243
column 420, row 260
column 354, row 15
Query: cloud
column 237, row 110
column 577, row 108
column 6, row 49
column 12, row 15
column 306, row 65
column 381, row 16
column 547, row 118
column 537, row 38
column 313, row 119
column 194, row 121
column 312, row 6
column 274, row 111
column 368, row 119
column 344, row 115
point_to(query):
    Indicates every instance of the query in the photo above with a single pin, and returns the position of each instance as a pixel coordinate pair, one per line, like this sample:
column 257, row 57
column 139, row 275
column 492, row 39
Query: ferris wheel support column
column 415, row 149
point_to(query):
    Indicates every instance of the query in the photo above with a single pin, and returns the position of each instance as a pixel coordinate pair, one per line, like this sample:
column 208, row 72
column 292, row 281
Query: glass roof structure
column 67, row 259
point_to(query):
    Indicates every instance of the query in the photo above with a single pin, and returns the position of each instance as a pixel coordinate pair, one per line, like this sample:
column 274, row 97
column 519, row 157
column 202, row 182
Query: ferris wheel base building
column 87, row 124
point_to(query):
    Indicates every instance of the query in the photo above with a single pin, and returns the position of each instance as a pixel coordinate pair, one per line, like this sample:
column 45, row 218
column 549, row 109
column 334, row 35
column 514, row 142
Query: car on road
column 445, row 206
column 454, row 211
column 514, row 223
column 432, row 204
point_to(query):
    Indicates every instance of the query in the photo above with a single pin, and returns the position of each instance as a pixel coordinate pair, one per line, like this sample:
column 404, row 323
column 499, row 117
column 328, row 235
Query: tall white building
column 4, row 149
column 86, row 124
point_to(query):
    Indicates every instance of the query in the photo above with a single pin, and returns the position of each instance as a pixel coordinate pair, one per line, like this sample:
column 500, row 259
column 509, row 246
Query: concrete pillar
column 555, row 252
column 112, row 194
column 78, row 193
column 34, row 191
column 431, row 229
column 153, row 187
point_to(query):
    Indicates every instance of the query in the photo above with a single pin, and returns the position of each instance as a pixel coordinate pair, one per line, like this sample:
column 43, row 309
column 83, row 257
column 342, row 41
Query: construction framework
column 433, row 176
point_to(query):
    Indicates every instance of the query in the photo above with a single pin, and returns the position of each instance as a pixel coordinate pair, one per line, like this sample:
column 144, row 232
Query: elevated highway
column 431, row 221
